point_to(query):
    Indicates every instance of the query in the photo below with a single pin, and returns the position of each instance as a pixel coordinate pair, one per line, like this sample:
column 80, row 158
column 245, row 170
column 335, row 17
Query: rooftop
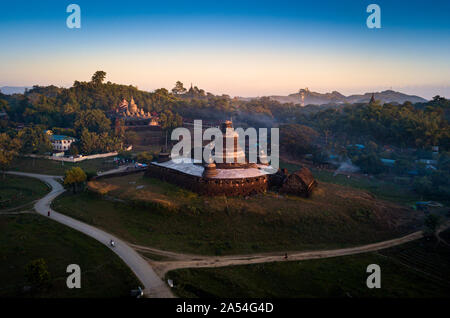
column 186, row 165
column 61, row 137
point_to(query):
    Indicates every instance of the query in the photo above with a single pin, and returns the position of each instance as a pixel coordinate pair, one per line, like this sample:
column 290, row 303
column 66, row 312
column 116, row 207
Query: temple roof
column 186, row 165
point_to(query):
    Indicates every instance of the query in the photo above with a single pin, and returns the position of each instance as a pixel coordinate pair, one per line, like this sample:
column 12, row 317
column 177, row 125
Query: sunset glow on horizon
column 252, row 49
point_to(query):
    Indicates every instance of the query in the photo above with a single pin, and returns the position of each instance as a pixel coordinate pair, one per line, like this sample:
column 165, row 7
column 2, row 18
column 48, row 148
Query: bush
column 432, row 222
column 37, row 274
column 423, row 185
column 145, row 157
column 75, row 177
column 369, row 163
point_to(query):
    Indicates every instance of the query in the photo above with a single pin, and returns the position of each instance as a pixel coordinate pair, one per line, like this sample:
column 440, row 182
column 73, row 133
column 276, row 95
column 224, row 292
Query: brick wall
column 209, row 186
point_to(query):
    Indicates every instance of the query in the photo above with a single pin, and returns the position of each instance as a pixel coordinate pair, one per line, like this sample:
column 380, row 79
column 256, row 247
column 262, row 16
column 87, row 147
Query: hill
column 150, row 212
column 315, row 98
column 418, row 269
column 9, row 90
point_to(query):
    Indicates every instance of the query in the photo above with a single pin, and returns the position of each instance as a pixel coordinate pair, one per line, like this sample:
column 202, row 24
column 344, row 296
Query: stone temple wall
column 210, row 186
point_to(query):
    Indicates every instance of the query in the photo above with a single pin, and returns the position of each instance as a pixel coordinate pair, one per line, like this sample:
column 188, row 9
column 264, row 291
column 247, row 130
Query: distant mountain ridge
column 310, row 97
column 314, row 98
column 9, row 90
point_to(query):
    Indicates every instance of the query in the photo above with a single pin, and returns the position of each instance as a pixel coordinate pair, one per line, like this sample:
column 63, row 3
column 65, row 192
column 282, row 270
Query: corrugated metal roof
column 61, row 137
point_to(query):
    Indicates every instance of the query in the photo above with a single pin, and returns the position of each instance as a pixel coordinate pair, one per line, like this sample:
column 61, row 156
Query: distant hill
column 388, row 96
column 9, row 90
column 314, row 98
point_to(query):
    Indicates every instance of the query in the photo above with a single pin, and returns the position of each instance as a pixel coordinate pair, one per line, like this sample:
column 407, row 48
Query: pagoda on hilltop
column 132, row 115
column 229, row 172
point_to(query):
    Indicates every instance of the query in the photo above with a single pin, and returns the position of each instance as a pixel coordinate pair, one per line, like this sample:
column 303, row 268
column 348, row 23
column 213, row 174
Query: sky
column 240, row 48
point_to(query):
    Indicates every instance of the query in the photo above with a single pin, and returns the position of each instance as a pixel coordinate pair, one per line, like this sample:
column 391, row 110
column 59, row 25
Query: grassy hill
column 417, row 269
column 27, row 237
column 149, row 212
column 18, row 191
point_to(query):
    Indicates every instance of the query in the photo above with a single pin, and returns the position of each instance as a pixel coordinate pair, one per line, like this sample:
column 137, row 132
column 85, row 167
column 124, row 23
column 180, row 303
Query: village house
column 60, row 142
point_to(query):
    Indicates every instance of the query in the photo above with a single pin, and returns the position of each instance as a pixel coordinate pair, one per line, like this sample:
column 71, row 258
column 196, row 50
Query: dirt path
column 179, row 260
column 153, row 285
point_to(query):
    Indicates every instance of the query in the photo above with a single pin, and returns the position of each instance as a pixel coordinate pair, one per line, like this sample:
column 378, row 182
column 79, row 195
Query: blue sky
column 246, row 48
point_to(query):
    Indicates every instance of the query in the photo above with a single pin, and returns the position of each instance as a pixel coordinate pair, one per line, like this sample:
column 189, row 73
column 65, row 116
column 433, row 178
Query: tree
column 169, row 121
column 179, row 88
column 369, row 163
column 37, row 274
column 74, row 150
column 297, row 139
column 423, row 185
column 319, row 156
column 9, row 148
column 98, row 77
column 75, row 177
column 94, row 120
column 432, row 223
column 145, row 157
column 131, row 137
column 4, row 106
column 34, row 140
column 89, row 142
column 127, row 155
column 401, row 166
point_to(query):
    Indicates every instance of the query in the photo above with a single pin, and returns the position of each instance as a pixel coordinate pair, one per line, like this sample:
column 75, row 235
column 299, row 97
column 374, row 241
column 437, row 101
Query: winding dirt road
column 177, row 260
column 150, row 272
column 153, row 285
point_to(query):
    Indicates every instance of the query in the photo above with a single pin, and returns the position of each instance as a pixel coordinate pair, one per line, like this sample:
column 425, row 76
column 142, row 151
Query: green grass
column 53, row 167
column 334, row 217
column 28, row 237
column 383, row 190
column 17, row 191
column 422, row 269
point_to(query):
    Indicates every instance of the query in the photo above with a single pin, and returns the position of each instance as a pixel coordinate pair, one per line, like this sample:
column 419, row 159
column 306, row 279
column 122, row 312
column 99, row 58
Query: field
column 149, row 212
column 16, row 192
column 384, row 190
column 418, row 269
column 52, row 167
column 27, row 237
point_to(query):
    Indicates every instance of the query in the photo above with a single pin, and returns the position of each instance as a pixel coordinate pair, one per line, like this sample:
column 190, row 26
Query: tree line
column 81, row 111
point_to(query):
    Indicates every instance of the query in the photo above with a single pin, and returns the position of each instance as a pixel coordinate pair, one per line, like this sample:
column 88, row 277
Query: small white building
column 61, row 142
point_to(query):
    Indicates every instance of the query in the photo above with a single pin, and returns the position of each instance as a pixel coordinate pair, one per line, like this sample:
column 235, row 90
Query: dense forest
column 318, row 131
column 81, row 111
